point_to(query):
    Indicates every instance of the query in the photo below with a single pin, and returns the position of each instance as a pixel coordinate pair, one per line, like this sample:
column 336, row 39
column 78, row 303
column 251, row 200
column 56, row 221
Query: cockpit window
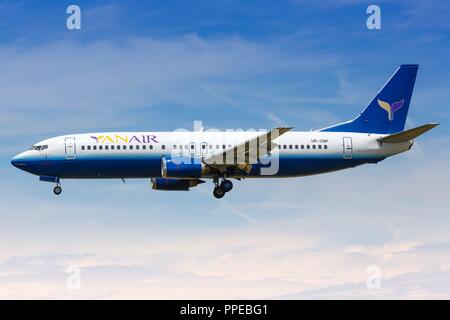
column 39, row 148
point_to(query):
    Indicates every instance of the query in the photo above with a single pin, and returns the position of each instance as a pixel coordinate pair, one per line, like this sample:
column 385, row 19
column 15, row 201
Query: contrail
column 233, row 209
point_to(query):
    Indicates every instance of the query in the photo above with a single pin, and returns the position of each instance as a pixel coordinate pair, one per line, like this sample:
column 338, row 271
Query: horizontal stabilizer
column 408, row 134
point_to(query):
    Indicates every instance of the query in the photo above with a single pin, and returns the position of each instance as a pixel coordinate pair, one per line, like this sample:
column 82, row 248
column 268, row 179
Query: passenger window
column 94, row 147
column 203, row 147
column 314, row 146
column 106, row 147
column 284, row 146
column 279, row 146
column 89, row 147
column 192, row 147
column 137, row 147
column 325, row 147
column 303, row 146
column 217, row 146
column 290, row 146
column 118, row 147
column 307, row 146
column 144, row 147
column 112, row 147
column 296, row 146
column 82, row 148
column 223, row 146
column 163, row 147
column 100, row 147
column 151, row 147
column 174, row 146
column 319, row 146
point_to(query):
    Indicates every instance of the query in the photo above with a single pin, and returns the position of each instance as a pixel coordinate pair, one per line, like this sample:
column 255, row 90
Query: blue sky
column 160, row 65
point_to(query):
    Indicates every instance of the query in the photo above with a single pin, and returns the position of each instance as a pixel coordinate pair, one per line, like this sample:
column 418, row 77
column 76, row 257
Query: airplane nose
column 16, row 161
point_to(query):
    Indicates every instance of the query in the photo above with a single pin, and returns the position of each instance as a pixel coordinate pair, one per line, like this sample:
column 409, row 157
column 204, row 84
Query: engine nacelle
column 174, row 184
column 181, row 167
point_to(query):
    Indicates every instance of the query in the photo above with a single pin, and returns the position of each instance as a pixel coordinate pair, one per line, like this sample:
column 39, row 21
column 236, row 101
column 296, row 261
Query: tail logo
column 391, row 108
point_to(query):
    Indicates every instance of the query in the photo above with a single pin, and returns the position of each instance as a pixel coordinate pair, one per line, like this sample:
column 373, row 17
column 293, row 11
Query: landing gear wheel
column 218, row 192
column 226, row 185
column 57, row 190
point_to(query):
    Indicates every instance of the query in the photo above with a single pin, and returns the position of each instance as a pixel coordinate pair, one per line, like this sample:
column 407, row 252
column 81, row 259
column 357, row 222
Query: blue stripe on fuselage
column 145, row 166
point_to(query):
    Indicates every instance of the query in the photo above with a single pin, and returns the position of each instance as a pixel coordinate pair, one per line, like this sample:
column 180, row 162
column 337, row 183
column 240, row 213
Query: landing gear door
column 348, row 148
column 70, row 148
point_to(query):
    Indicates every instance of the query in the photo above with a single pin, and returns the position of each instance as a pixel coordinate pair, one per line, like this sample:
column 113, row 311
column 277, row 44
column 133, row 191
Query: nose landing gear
column 222, row 188
column 57, row 190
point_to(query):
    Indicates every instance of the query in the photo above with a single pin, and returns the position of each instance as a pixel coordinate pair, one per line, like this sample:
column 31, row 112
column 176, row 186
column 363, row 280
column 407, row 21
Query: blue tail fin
column 388, row 110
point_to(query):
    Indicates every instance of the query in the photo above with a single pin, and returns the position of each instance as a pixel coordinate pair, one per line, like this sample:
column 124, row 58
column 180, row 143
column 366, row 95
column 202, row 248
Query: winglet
column 408, row 134
column 278, row 131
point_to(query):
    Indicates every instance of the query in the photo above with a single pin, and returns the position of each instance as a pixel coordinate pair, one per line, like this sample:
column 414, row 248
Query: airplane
column 181, row 160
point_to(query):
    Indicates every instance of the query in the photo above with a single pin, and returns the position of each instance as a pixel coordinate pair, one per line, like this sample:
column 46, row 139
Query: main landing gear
column 222, row 188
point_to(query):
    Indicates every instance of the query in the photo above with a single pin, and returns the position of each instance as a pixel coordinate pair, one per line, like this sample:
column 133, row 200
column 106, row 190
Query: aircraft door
column 348, row 147
column 70, row 148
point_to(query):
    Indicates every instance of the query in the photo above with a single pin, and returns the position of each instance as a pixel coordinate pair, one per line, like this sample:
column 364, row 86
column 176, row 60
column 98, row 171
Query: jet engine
column 182, row 167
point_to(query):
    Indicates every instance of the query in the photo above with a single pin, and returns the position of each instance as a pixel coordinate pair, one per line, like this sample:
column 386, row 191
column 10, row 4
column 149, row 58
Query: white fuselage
column 139, row 154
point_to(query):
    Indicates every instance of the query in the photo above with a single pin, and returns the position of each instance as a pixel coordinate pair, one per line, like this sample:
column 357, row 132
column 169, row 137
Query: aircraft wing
column 248, row 152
